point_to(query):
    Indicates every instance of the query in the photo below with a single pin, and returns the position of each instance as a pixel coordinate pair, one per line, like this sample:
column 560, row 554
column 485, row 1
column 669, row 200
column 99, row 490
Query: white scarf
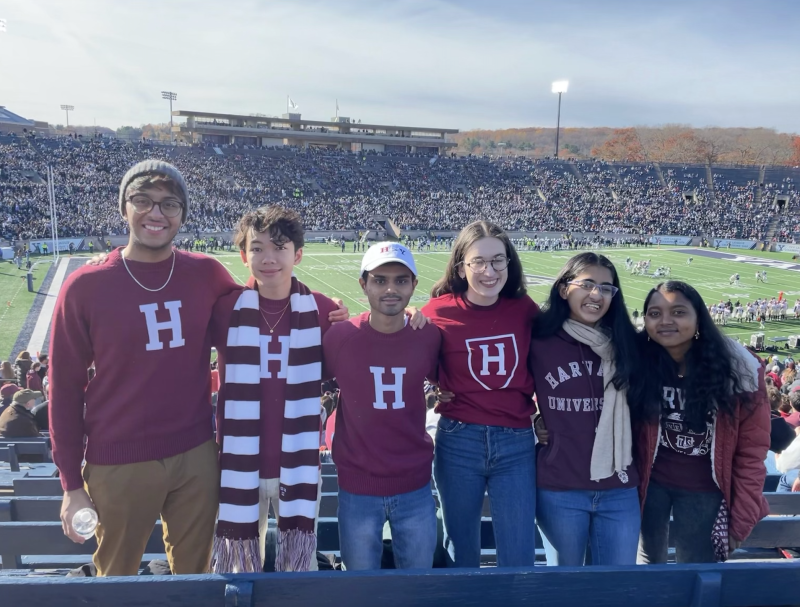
column 613, row 439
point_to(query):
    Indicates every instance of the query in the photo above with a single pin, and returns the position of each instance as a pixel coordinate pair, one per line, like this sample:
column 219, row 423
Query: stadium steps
column 576, row 171
column 761, row 173
column 772, row 226
column 710, row 182
column 660, row 175
column 613, row 170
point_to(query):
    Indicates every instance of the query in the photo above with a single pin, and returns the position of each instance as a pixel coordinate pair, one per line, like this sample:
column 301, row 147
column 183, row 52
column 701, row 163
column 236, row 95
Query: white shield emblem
column 493, row 360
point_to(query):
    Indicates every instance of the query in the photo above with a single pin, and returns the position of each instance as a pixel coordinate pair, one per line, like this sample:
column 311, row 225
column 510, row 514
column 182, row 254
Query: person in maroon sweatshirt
column 484, row 440
column 149, row 446
column 579, row 501
column 382, row 452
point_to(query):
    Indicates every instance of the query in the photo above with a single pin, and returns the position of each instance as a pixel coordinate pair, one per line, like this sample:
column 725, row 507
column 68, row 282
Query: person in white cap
column 382, row 452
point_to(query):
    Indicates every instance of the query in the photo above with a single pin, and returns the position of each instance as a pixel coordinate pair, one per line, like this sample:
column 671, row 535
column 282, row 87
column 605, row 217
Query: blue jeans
column 470, row 459
column 412, row 519
column 607, row 521
column 786, row 482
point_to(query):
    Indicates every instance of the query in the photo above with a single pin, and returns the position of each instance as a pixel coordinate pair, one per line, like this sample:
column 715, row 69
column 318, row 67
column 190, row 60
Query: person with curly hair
column 702, row 431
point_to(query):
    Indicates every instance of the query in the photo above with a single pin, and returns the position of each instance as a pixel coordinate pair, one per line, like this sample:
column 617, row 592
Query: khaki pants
column 269, row 493
column 183, row 490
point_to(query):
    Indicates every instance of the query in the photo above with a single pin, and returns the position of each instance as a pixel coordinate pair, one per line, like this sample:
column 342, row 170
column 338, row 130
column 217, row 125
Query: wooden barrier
column 729, row 585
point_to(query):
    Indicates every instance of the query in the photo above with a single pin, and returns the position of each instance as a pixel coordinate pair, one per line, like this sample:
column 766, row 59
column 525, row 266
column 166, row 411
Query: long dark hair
column 615, row 321
column 710, row 379
column 451, row 282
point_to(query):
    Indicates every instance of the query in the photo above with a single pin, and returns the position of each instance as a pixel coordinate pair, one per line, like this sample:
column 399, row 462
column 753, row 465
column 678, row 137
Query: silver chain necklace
column 125, row 263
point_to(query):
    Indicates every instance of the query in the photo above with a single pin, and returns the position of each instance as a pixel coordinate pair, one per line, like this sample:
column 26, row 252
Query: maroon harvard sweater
column 150, row 396
column 570, row 391
column 380, row 446
column 484, row 359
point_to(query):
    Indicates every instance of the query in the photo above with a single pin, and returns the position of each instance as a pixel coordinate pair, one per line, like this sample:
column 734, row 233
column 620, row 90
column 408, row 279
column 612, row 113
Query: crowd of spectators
column 336, row 190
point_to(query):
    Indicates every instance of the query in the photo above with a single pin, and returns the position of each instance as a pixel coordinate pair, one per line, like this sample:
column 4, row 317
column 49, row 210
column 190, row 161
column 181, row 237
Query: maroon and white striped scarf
column 236, row 546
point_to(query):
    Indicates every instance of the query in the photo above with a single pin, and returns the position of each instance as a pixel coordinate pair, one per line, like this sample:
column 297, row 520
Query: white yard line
column 46, row 314
column 333, row 289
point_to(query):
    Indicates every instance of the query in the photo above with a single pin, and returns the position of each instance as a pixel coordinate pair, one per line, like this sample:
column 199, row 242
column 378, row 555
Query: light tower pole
column 172, row 97
column 559, row 87
column 67, row 109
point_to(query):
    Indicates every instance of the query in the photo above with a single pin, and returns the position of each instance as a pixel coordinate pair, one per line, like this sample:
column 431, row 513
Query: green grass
column 327, row 270
column 324, row 268
column 14, row 290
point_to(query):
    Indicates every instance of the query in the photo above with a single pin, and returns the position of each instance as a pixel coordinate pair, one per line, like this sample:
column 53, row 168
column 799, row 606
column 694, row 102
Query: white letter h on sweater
column 381, row 388
column 153, row 326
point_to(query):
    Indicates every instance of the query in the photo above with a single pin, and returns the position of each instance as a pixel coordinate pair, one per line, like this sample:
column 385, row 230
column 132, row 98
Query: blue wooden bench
column 729, row 585
column 52, row 486
column 39, row 446
column 47, row 539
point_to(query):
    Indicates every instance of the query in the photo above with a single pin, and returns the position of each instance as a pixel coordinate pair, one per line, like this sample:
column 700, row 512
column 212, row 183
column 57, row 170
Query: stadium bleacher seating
column 336, row 190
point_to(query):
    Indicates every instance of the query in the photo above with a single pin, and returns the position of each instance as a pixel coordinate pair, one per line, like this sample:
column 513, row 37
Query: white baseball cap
column 387, row 252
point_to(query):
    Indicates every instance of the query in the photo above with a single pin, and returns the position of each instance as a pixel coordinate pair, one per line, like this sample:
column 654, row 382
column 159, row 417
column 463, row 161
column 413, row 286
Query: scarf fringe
column 296, row 548
column 236, row 556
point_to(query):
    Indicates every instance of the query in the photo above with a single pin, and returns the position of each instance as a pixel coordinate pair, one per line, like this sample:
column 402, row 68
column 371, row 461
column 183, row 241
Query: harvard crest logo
column 493, row 360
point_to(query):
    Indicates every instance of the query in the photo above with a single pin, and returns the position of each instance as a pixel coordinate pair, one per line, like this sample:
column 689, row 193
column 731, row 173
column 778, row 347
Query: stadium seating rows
column 341, row 190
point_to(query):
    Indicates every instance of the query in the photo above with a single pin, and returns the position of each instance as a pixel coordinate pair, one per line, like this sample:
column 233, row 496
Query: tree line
column 668, row 143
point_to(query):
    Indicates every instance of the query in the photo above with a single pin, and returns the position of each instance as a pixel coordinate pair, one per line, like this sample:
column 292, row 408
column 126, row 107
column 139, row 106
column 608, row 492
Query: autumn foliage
column 669, row 143
column 623, row 145
column 795, row 159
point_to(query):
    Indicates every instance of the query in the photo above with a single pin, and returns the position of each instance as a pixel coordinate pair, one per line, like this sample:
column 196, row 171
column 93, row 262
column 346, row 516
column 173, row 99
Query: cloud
column 423, row 62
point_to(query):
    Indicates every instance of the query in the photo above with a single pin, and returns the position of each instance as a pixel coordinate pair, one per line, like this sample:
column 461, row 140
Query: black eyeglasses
column 170, row 207
column 589, row 286
column 478, row 266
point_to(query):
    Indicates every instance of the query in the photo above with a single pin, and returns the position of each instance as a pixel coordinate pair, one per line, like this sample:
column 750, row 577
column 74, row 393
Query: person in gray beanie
column 146, row 436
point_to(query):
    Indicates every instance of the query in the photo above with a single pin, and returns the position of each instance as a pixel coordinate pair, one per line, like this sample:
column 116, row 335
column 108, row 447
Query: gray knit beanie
column 154, row 167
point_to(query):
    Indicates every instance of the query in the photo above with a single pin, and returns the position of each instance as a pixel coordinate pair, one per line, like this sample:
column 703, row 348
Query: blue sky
column 450, row 63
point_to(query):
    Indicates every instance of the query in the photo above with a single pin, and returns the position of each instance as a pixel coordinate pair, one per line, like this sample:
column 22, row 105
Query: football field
column 326, row 269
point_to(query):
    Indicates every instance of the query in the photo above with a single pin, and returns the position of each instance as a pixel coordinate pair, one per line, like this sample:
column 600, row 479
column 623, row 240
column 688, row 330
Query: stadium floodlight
column 172, row 97
column 67, row 109
column 559, row 86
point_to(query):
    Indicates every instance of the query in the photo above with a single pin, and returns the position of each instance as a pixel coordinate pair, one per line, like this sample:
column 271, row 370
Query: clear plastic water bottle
column 85, row 522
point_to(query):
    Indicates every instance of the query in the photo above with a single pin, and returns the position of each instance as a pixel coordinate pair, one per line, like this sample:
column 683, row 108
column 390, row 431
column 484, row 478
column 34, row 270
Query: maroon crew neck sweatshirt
column 484, row 359
column 380, row 446
column 150, row 398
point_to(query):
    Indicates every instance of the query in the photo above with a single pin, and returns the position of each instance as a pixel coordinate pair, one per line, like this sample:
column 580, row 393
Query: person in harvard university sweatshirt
column 581, row 356
column 484, row 440
column 149, row 446
column 381, row 449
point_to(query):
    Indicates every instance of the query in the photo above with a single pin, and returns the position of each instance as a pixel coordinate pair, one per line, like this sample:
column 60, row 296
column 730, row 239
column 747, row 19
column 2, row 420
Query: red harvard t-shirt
column 484, row 359
column 274, row 362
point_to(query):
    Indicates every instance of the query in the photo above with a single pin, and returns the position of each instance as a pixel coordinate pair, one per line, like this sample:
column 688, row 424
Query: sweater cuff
column 71, row 478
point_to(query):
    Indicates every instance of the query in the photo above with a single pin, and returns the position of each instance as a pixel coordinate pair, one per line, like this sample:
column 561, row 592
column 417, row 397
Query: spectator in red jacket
column 702, row 431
